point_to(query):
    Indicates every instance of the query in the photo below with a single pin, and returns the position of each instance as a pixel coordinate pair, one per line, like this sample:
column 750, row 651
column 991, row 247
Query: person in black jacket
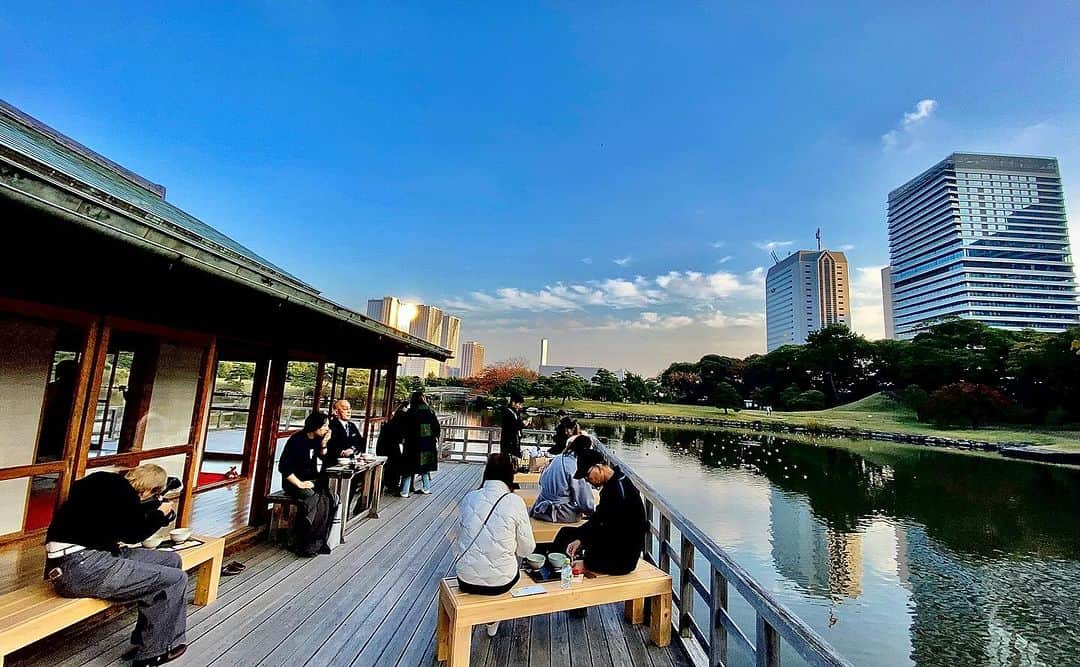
column 420, row 455
column 345, row 438
column 612, row 541
column 301, row 481
column 388, row 444
column 86, row 556
column 512, row 425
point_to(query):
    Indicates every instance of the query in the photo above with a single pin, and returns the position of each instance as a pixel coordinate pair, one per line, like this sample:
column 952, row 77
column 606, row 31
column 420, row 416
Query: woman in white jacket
column 493, row 534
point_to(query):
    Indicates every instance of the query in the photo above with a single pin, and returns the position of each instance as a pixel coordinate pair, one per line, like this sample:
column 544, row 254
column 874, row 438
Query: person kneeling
column 562, row 498
column 300, row 480
column 493, row 533
column 611, row 542
column 85, row 556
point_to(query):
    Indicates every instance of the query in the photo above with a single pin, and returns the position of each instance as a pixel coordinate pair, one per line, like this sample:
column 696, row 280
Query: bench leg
column 460, row 645
column 635, row 611
column 207, row 577
column 442, row 633
column 660, row 619
column 376, row 492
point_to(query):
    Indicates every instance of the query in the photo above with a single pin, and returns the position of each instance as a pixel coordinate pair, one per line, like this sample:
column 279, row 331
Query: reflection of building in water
column 818, row 558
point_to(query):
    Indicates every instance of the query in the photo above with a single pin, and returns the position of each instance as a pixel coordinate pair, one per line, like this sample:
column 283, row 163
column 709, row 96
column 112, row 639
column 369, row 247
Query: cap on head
column 585, row 460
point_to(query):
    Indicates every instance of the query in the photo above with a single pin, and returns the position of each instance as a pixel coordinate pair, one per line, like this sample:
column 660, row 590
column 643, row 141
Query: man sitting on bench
column 611, row 542
column 85, row 558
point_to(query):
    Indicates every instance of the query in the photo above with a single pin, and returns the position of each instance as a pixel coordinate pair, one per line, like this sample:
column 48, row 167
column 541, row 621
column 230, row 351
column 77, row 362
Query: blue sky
column 608, row 175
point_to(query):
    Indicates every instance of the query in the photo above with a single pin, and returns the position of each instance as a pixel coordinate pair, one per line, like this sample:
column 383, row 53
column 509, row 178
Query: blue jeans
column 407, row 480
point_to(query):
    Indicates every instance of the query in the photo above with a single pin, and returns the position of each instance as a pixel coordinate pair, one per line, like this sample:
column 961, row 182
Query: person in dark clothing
column 59, row 395
column 300, row 480
column 345, row 438
column 389, row 445
column 512, row 426
column 421, row 451
column 85, row 556
column 612, row 541
column 566, row 429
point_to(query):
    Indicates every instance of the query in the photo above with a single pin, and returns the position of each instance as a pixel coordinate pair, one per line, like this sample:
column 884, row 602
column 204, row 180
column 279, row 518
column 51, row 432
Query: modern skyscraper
column 543, row 351
column 982, row 237
column 804, row 292
column 450, row 338
column 472, row 359
column 427, row 324
column 384, row 310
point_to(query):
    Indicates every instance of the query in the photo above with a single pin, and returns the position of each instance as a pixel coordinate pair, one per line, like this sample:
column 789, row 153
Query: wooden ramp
column 370, row 602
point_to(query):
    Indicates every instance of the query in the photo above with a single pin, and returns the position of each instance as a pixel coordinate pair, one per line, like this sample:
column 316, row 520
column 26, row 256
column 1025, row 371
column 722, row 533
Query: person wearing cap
column 612, row 541
column 562, row 498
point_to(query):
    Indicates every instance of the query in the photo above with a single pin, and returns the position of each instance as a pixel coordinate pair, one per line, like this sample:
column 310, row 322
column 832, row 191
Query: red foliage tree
column 965, row 404
column 498, row 374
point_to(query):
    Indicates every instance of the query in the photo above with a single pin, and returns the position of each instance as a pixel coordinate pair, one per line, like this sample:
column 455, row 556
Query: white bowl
column 344, row 462
column 153, row 542
column 179, row 535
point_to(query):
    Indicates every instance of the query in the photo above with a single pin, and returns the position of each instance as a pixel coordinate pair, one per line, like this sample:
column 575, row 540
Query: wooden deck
column 371, row 602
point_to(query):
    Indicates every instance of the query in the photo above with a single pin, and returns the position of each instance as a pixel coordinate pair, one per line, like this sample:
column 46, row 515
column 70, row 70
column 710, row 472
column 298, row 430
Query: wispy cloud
column 586, row 260
column 769, row 246
column 924, row 109
column 846, row 247
column 725, row 259
column 622, row 261
column 718, row 244
column 692, row 287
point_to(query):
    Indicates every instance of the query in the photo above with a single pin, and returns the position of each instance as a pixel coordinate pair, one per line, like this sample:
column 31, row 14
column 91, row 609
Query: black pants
column 598, row 558
column 314, row 519
column 474, row 589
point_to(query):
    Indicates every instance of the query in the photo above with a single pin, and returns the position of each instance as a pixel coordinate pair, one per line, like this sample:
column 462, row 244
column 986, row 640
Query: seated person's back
column 562, row 498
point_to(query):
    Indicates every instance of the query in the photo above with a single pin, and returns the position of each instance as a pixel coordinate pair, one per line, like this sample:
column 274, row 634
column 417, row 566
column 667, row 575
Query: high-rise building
column 543, row 351
column 981, row 237
column 384, row 310
column 804, row 292
column 450, row 338
column 472, row 359
column 427, row 324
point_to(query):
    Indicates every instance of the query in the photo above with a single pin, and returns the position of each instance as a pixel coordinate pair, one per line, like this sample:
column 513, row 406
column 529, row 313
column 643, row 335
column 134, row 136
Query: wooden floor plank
column 560, row 640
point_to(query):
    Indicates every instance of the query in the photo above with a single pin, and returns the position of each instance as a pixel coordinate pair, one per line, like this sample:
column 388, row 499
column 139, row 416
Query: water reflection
column 924, row 556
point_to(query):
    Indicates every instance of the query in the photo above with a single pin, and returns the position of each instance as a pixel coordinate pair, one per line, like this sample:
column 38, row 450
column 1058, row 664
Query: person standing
column 421, row 451
column 85, row 556
column 493, row 534
column 388, row 444
column 512, row 426
column 345, row 438
column 562, row 498
column 300, row 480
column 612, row 541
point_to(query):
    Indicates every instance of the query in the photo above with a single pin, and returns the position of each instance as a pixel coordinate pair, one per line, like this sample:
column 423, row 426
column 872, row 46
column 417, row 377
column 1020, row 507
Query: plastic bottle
column 565, row 576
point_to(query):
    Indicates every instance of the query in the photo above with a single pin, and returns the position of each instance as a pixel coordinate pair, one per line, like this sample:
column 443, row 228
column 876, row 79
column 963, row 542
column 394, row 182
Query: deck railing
column 699, row 569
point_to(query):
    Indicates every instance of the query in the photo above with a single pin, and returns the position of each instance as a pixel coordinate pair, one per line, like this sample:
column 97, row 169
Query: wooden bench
column 459, row 612
column 527, row 478
column 36, row 611
column 544, row 532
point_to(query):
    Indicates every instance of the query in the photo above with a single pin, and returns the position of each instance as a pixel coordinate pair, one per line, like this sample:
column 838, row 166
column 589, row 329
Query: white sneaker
column 426, row 492
column 404, row 495
column 493, row 629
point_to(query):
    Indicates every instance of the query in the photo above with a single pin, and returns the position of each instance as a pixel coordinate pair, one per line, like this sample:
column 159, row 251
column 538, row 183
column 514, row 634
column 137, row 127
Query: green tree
column 727, row 397
column 568, row 384
column 606, row 386
column 812, row 399
column 635, row 388
column 841, row 363
column 543, row 388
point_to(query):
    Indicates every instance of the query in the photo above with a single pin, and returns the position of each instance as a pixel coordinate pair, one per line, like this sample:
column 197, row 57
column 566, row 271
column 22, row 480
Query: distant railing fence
column 473, row 444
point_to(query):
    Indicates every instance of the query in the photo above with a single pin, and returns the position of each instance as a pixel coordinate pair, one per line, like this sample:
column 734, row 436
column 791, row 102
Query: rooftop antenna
column 818, row 235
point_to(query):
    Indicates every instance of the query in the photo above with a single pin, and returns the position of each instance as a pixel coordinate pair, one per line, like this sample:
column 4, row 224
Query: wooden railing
column 721, row 635
column 472, row 444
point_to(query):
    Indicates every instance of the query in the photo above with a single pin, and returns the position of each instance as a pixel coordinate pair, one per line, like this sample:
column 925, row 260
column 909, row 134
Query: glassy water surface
column 896, row 555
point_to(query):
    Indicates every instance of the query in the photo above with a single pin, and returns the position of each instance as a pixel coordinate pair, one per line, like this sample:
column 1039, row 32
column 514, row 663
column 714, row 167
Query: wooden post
column 140, row 391
column 256, row 412
column 204, row 395
column 718, row 600
column 686, row 588
column 648, row 532
column 664, row 562
column 373, row 374
column 767, row 652
column 320, row 377
column 93, row 390
column 391, row 384
column 264, row 458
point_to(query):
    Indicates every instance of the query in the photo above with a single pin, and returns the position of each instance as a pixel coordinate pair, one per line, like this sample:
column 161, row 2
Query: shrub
column 965, row 404
column 808, row 400
column 914, row 397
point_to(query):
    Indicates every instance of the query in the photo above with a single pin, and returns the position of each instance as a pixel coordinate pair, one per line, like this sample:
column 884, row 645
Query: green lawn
column 874, row 413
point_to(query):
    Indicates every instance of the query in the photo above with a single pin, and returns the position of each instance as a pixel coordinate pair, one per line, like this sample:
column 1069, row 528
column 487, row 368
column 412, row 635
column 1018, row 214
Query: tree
column 965, row 404
column 567, row 384
column 606, row 386
column 811, row 399
column 725, row 396
column 495, row 377
column 543, row 388
column 681, row 382
column 841, row 363
column 635, row 388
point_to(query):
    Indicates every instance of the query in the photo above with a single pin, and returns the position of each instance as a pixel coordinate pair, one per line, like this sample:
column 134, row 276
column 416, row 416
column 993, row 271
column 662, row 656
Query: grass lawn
column 873, row 413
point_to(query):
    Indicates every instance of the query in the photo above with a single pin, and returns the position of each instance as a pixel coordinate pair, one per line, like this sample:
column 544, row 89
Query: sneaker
column 493, row 629
column 404, row 495
column 426, row 492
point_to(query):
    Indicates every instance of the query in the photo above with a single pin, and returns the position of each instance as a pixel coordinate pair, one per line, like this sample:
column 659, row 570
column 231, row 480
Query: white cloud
column 718, row 244
column 847, row 247
column 725, row 259
column 867, row 310
column 769, row 246
column 622, row 261
column 586, row 260
column 910, row 120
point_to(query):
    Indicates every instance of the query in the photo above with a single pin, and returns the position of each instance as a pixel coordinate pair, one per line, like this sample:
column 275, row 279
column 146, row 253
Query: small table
column 367, row 475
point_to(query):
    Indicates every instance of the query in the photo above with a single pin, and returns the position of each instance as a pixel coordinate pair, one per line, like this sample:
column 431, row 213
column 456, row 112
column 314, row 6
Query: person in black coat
column 86, row 556
column 345, row 437
column 301, row 481
column 512, row 426
column 388, row 444
column 421, row 451
column 613, row 540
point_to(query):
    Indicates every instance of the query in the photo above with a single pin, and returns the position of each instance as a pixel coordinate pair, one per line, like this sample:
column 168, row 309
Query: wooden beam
column 320, row 377
column 197, row 436
column 46, row 312
column 264, row 458
column 166, row 333
column 256, row 412
column 32, row 469
column 96, row 360
column 132, row 459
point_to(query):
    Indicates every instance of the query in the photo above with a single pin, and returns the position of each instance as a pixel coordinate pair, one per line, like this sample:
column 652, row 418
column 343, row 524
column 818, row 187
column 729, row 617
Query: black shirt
column 510, row 438
column 614, row 537
column 102, row 511
column 299, row 458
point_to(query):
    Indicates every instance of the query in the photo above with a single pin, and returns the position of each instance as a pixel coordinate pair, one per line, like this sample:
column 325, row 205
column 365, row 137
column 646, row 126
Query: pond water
column 897, row 555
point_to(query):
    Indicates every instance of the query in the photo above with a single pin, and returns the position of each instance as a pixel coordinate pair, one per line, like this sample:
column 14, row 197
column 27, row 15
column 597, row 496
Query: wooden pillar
column 320, row 377
column 200, row 417
column 264, row 457
column 256, row 411
column 140, row 390
column 87, row 390
column 391, row 385
column 373, row 375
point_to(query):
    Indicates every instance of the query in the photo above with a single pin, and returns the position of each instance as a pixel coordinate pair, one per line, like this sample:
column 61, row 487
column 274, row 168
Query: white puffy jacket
column 493, row 558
